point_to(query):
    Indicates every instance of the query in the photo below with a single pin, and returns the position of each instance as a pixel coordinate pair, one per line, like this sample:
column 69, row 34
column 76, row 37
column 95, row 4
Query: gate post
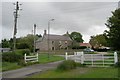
column 92, row 59
column 115, row 58
column 37, row 56
column 75, row 54
column 82, row 58
column 66, row 54
column 25, row 58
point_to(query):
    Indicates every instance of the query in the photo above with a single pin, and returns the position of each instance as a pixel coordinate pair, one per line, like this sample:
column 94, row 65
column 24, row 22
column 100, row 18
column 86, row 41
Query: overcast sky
column 88, row 18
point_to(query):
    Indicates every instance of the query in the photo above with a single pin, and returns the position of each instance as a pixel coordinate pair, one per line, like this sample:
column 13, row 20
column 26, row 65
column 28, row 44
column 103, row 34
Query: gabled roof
column 55, row 37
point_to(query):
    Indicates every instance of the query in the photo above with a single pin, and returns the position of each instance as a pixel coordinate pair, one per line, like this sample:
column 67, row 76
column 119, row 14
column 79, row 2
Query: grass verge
column 9, row 66
column 80, row 73
column 43, row 58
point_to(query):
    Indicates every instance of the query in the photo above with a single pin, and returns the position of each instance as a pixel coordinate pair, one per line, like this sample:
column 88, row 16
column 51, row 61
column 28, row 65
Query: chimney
column 45, row 32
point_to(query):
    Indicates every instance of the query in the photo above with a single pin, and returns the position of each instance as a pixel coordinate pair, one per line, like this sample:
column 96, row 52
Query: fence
column 94, row 60
column 31, row 58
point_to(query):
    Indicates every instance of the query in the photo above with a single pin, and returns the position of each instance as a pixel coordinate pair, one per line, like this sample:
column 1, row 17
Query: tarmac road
column 29, row 70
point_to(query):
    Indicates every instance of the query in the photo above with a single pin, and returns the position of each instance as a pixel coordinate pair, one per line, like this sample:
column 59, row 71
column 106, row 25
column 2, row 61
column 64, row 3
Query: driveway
column 29, row 70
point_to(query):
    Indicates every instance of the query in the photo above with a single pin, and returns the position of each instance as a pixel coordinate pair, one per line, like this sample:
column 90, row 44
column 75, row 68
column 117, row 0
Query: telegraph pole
column 48, row 36
column 15, row 24
column 34, row 37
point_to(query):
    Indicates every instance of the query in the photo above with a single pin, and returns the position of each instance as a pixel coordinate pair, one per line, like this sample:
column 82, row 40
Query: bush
column 11, row 57
column 79, row 47
column 66, row 65
column 80, row 65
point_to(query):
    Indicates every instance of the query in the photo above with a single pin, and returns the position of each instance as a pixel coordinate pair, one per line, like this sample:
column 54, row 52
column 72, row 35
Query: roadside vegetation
column 15, row 60
column 70, row 69
column 80, row 73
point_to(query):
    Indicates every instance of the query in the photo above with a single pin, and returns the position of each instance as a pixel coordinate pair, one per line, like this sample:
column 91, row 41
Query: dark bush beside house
column 79, row 47
column 66, row 65
column 101, row 50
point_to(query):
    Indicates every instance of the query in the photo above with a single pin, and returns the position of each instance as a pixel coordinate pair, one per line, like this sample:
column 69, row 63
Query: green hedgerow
column 11, row 57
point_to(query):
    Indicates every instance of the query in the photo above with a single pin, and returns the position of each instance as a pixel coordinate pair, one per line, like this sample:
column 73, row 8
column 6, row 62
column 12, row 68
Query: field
column 43, row 58
column 80, row 73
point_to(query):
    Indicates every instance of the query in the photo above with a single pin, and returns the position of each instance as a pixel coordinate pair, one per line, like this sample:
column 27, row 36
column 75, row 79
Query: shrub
column 80, row 65
column 79, row 47
column 66, row 65
column 11, row 57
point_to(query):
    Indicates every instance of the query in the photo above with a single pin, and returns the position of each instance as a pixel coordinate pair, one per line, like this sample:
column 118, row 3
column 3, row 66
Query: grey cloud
column 69, row 16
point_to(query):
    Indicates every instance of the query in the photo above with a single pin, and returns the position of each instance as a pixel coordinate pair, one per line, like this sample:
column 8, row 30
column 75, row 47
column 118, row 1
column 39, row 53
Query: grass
column 62, row 52
column 43, row 58
column 80, row 73
column 9, row 66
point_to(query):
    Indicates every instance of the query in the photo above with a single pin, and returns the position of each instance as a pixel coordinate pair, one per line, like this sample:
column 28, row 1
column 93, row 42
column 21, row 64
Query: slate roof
column 56, row 37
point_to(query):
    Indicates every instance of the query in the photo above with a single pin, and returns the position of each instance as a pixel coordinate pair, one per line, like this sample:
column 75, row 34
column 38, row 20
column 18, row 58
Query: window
column 52, row 42
column 53, row 48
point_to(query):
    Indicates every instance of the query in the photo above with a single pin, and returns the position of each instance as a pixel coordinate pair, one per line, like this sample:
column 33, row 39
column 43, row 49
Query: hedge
column 11, row 57
column 16, row 56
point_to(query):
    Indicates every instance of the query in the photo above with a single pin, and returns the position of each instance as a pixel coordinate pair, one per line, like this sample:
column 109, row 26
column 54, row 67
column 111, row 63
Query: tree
column 27, row 42
column 5, row 43
column 76, row 36
column 113, row 34
column 98, row 41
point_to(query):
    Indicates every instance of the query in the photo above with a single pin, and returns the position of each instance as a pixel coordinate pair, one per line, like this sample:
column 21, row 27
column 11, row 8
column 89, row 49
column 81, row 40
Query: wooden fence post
column 25, row 58
column 82, row 58
column 66, row 55
column 115, row 58
column 103, row 59
column 37, row 57
column 92, row 59
column 75, row 53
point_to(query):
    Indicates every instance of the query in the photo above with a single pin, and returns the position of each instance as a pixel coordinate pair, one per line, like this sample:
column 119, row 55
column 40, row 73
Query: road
column 29, row 70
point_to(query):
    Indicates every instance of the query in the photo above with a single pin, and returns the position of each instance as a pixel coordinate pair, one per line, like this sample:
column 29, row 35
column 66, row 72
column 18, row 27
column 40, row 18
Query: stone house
column 53, row 42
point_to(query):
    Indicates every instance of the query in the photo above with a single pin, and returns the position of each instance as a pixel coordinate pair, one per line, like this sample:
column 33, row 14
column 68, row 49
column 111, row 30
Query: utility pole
column 15, row 24
column 48, row 36
column 34, row 37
